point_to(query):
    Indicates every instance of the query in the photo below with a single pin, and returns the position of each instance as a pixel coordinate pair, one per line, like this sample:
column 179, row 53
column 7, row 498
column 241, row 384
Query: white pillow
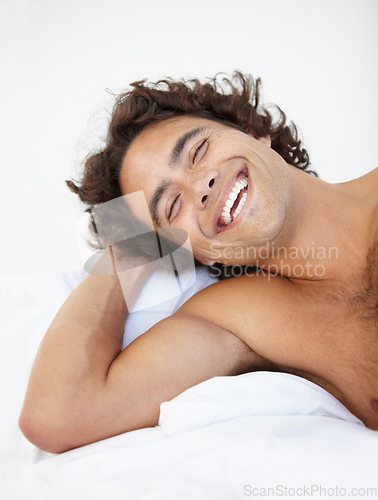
column 250, row 394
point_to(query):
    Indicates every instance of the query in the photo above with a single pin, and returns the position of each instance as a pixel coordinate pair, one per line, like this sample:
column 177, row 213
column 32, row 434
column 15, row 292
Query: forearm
column 86, row 334
column 74, row 356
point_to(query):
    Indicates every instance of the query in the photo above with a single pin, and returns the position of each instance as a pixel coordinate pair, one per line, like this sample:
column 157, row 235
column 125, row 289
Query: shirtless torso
column 310, row 333
column 325, row 331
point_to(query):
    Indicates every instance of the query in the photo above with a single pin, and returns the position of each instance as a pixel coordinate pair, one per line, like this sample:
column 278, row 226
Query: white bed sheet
column 217, row 440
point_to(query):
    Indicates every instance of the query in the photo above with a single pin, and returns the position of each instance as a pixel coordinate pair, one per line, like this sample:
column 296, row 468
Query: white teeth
column 241, row 205
column 234, row 193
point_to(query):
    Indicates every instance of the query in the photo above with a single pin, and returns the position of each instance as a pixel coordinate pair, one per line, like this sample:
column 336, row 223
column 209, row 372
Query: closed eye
column 199, row 151
column 172, row 206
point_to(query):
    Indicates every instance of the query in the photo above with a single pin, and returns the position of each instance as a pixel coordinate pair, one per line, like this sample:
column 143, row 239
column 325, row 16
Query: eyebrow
column 173, row 160
column 181, row 143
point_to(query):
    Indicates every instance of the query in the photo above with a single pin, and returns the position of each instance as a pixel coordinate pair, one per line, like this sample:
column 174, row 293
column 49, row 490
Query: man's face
column 226, row 189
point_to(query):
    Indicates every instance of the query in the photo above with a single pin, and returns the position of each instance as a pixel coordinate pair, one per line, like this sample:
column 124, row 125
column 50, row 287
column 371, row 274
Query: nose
column 204, row 188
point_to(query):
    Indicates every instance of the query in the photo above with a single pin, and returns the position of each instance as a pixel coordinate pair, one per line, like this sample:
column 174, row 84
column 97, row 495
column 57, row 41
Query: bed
column 256, row 434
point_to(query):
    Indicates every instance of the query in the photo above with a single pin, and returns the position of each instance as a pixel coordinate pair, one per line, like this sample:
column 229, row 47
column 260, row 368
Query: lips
column 234, row 200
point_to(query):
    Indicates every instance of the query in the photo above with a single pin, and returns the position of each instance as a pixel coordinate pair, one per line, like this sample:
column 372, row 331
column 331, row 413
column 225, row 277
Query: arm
column 83, row 388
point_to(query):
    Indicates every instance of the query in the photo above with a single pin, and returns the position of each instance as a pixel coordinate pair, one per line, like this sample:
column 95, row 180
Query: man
column 218, row 166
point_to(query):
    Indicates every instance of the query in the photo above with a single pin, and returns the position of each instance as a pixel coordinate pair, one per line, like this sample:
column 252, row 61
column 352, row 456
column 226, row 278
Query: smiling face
column 229, row 191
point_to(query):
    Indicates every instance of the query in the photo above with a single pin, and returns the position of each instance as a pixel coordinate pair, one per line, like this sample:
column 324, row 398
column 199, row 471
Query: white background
column 317, row 58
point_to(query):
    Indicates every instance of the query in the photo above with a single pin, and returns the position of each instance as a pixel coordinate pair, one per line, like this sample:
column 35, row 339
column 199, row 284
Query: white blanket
column 258, row 434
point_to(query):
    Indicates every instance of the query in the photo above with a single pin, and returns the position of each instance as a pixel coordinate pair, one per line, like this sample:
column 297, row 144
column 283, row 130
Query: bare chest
column 348, row 327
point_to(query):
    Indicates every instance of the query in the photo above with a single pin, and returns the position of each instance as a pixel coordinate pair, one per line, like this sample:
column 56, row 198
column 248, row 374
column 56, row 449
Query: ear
column 265, row 140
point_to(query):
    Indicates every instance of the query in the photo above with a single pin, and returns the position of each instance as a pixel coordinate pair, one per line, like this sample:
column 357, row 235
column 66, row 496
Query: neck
column 329, row 230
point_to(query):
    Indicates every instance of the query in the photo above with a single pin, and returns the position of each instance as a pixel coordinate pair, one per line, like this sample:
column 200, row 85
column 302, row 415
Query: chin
column 248, row 246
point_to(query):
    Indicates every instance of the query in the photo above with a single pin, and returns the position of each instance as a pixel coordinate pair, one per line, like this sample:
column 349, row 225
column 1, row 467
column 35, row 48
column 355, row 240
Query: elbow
column 44, row 433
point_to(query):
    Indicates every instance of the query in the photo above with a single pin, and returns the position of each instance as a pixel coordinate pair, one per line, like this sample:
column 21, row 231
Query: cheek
column 200, row 245
column 203, row 251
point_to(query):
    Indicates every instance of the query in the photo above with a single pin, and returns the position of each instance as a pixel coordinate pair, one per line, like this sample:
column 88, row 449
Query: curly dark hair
column 234, row 100
column 237, row 101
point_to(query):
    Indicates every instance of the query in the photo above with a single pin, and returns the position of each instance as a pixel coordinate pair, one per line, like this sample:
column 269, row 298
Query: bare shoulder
column 275, row 317
column 242, row 286
column 250, row 297
column 364, row 187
